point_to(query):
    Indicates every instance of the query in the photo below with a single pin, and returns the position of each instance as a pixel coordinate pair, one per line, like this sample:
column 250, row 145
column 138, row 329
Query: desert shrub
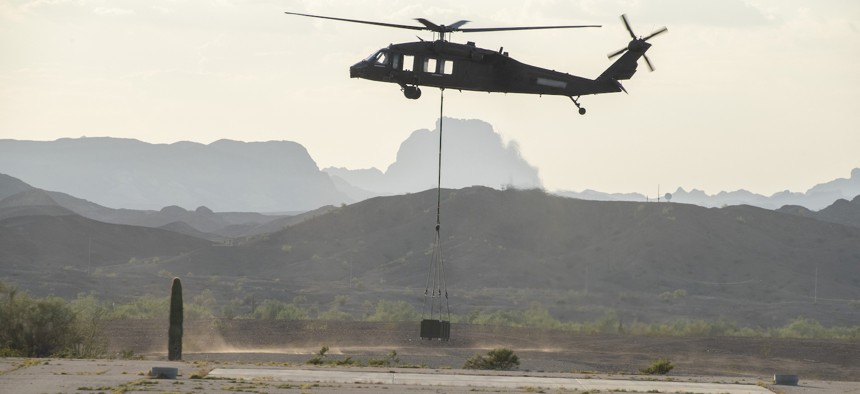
column 319, row 357
column 279, row 310
column 803, row 328
column 231, row 309
column 391, row 360
column 195, row 311
column 322, row 359
column 496, row 318
column 334, row 314
column 144, row 307
column 502, row 359
column 346, row 361
column 660, row 366
column 90, row 314
column 35, row 327
column 535, row 316
column 667, row 296
column 606, row 324
column 391, row 311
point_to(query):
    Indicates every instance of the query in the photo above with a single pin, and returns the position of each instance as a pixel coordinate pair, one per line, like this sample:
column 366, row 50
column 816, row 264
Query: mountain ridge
column 225, row 175
column 736, row 262
column 281, row 176
column 205, row 222
column 815, row 198
column 503, row 249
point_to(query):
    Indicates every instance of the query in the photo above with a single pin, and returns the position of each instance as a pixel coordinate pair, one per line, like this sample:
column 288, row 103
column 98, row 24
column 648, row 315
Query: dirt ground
column 538, row 349
column 127, row 376
column 823, row 366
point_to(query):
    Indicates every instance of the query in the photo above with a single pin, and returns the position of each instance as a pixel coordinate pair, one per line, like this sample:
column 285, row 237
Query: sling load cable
column 436, row 287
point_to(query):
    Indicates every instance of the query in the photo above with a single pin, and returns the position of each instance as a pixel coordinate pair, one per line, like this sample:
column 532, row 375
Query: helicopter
column 448, row 65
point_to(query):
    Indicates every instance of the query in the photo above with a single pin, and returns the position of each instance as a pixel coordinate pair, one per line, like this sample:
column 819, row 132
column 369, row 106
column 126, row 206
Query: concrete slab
column 476, row 380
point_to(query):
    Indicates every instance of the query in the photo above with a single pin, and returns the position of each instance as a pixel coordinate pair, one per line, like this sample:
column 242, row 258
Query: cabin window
column 408, row 62
column 447, row 67
column 380, row 58
column 429, row 65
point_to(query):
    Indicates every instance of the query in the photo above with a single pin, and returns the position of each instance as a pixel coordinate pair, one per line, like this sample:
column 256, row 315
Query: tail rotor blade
column 616, row 53
column 648, row 61
column 658, row 32
column 627, row 25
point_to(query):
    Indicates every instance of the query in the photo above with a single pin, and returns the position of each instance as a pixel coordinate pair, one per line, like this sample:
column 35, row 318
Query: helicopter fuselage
column 449, row 65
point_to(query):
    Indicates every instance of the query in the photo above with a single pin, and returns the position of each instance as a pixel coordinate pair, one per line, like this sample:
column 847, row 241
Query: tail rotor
column 638, row 44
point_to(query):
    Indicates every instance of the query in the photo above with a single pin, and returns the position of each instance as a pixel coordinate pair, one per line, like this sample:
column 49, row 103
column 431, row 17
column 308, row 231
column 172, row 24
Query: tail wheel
column 576, row 102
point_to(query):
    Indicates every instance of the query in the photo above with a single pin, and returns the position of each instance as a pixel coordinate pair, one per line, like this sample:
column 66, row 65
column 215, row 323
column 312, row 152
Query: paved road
column 485, row 381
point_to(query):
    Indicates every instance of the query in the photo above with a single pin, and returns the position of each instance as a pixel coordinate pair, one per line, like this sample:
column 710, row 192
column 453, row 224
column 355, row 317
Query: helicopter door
column 407, row 62
column 438, row 66
column 402, row 62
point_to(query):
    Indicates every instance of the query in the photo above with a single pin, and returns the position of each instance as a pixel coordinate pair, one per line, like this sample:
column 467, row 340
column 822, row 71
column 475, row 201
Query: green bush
column 660, row 366
column 502, row 359
column 144, row 307
column 322, row 359
column 90, row 316
column 389, row 361
column 390, row 311
column 279, row 310
column 36, row 327
column 319, row 357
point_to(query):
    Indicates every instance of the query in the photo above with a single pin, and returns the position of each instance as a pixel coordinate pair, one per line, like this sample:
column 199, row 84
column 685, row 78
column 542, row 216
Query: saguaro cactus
column 174, row 333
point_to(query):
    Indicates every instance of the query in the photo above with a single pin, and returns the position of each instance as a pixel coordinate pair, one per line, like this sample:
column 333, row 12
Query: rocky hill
column 201, row 222
column 472, row 154
column 52, row 252
column 515, row 248
column 842, row 211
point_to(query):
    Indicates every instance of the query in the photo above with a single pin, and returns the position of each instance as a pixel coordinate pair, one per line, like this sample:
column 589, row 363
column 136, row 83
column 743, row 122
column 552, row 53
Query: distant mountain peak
column 173, row 210
column 473, row 153
column 29, row 198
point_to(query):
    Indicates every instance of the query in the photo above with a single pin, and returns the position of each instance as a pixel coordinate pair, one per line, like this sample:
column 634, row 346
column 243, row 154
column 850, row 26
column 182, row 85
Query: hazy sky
column 758, row 94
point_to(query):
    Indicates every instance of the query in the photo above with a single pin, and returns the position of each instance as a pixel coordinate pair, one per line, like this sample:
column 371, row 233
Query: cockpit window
column 381, row 57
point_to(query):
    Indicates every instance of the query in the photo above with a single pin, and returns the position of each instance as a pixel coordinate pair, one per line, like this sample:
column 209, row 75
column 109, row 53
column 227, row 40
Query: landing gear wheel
column 576, row 103
column 411, row 92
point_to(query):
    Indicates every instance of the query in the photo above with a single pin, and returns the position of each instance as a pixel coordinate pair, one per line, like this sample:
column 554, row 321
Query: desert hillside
column 510, row 249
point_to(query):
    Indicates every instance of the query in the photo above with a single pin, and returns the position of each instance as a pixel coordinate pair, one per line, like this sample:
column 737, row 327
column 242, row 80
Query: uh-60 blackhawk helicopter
column 448, row 65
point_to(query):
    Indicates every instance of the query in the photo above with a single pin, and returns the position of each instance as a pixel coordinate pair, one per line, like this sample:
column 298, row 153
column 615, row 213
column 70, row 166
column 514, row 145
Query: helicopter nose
column 358, row 70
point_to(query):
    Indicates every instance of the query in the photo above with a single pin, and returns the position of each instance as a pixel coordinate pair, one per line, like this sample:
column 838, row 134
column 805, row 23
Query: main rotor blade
column 658, row 32
column 479, row 30
column 430, row 25
column 648, row 61
column 360, row 21
column 627, row 25
column 616, row 53
column 456, row 25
